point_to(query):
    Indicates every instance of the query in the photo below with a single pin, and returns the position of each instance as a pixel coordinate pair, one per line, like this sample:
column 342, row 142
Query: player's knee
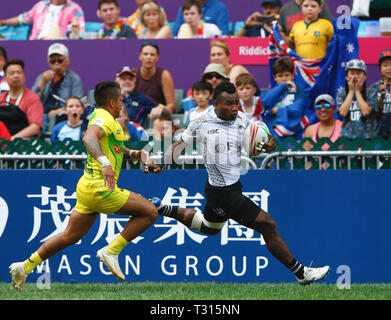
column 201, row 224
column 152, row 214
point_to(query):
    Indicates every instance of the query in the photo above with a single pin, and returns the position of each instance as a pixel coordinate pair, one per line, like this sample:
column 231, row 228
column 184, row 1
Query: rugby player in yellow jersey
column 97, row 190
column 311, row 36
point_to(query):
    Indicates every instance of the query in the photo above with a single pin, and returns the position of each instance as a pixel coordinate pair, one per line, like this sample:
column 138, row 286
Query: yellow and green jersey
column 311, row 39
column 112, row 144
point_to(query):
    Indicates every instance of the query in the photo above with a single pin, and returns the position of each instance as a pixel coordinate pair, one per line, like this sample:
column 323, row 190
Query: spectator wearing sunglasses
column 214, row 74
column 358, row 113
column 327, row 127
column 153, row 81
column 58, row 83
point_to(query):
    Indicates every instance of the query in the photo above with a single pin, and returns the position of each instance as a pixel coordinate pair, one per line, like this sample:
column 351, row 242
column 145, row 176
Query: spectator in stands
column 220, row 53
column 113, row 26
column 214, row 74
column 164, row 127
column 258, row 26
column 21, row 109
column 153, row 22
column 311, row 36
column 379, row 93
column 327, row 127
column 50, row 19
column 250, row 104
column 291, row 12
column 213, row 11
column 132, row 130
column 137, row 104
column 194, row 26
column 3, row 61
column 134, row 20
column 358, row 113
column 202, row 95
column 72, row 127
column 58, row 83
column 154, row 81
column 284, row 104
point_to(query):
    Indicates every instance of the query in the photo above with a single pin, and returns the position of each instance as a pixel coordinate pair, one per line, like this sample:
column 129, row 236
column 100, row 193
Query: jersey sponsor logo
column 116, row 149
column 98, row 122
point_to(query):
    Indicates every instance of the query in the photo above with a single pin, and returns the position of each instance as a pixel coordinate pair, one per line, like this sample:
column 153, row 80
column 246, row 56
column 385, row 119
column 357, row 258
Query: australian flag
column 319, row 76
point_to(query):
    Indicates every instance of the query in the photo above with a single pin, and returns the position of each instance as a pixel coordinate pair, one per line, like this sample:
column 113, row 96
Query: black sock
column 168, row 211
column 297, row 268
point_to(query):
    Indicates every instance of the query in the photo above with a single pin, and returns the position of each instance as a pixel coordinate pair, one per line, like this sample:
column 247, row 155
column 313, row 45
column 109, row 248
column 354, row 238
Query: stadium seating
column 15, row 32
column 238, row 25
column 178, row 100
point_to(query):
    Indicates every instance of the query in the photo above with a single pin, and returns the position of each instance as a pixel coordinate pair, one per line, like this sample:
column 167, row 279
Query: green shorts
column 93, row 196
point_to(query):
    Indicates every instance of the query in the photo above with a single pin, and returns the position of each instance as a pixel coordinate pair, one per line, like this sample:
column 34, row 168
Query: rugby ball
column 255, row 132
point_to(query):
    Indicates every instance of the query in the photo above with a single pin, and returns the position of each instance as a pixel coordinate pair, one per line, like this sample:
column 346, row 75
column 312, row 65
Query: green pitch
column 195, row 291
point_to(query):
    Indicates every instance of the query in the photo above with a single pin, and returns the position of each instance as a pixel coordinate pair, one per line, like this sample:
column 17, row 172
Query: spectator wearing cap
column 327, row 126
column 21, row 109
column 113, row 26
column 291, row 12
column 58, row 83
column 137, row 104
column 358, row 113
column 257, row 25
column 154, row 81
column 3, row 61
column 50, row 19
column 379, row 93
column 214, row 74
column 213, row 11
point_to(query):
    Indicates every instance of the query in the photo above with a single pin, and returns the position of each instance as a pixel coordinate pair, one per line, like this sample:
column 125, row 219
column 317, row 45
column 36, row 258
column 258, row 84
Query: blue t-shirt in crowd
column 213, row 11
column 138, row 105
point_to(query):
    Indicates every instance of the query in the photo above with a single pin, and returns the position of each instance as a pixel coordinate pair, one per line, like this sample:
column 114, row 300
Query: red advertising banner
column 254, row 51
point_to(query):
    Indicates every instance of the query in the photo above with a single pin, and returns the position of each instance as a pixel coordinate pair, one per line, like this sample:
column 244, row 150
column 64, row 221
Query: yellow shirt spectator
column 311, row 39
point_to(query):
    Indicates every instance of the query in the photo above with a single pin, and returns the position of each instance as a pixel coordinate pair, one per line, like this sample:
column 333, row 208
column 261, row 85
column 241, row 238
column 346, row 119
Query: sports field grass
column 195, row 291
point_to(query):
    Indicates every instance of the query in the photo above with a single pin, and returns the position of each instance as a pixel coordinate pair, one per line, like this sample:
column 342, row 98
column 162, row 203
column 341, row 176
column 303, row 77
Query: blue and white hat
column 356, row 64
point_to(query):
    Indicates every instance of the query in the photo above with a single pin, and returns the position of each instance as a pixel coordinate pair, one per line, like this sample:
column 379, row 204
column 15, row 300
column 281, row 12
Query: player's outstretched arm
column 145, row 157
column 172, row 154
column 91, row 142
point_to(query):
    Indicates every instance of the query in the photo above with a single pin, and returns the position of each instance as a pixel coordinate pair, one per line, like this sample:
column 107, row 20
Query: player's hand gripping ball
column 255, row 136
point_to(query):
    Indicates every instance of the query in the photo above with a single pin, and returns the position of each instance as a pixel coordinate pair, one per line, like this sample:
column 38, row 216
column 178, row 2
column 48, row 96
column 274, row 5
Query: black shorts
column 223, row 203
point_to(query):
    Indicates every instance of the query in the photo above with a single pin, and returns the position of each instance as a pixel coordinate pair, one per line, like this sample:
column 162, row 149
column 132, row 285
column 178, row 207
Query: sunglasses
column 53, row 61
column 210, row 76
column 323, row 105
column 150, row 43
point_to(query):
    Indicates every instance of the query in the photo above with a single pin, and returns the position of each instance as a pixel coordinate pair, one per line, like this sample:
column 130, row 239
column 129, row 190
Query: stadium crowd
column 57, row 106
